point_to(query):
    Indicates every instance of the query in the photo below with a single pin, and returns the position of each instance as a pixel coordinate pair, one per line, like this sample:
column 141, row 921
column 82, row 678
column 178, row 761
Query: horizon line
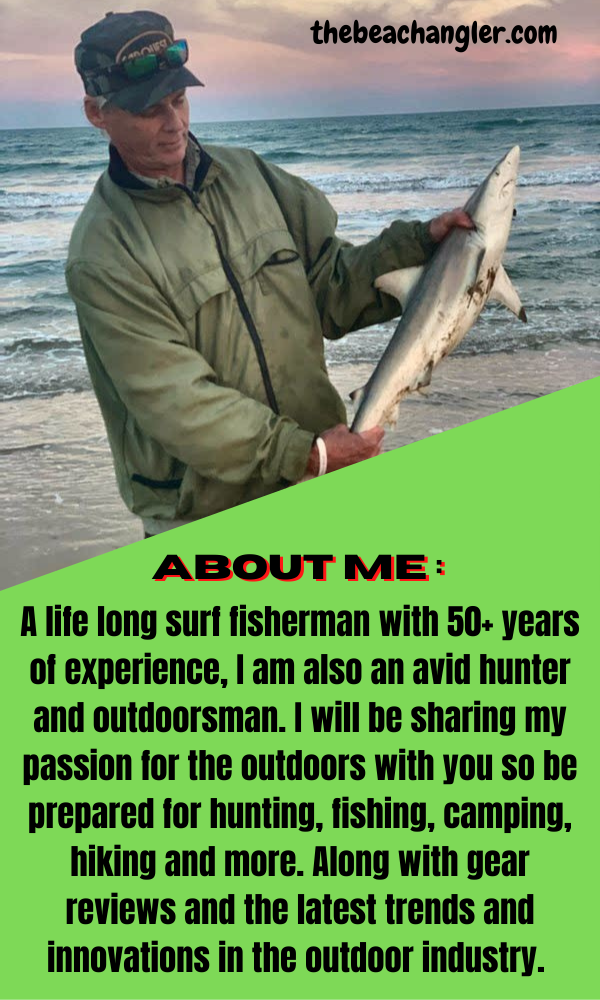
column 388, row 114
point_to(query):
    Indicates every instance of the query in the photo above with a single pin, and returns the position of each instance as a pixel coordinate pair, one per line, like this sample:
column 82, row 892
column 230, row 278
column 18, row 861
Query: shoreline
column 59, row 497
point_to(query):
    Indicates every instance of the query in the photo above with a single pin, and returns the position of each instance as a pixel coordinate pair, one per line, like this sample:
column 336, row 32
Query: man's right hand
column 345, row 448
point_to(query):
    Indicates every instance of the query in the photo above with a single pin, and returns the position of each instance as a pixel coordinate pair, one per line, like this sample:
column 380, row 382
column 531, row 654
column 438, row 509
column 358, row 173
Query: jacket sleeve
column 172, row 391
column 342, row 275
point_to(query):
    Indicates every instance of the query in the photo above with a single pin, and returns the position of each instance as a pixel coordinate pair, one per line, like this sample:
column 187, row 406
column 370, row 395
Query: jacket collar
column 200, row 170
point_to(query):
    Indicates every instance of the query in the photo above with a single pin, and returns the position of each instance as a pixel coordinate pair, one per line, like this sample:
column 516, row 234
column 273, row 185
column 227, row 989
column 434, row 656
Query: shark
column 442, row 300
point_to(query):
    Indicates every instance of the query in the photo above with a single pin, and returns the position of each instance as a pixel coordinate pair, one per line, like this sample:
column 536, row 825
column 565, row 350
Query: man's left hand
column 443, row 224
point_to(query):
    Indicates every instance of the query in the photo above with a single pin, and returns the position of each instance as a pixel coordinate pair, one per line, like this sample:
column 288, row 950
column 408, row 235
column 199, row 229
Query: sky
column 258, row 58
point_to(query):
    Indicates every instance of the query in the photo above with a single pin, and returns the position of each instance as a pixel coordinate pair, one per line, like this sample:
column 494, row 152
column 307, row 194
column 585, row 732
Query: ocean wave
column 381, row 183
column 43, row 388
column 12, row 200
column 58, row 165
column 551, row 204
column 42, row 366
column 552, row 254
column 45, row 311
column 344, row 352
column 588, row 174
column 36, row 367
column 40, row 345
column 32, row 268
column 490, row 124
column 350, row 151
column 296, row 155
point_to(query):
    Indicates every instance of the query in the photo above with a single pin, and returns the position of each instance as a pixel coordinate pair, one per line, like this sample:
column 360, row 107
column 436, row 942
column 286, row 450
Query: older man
column 204, row 280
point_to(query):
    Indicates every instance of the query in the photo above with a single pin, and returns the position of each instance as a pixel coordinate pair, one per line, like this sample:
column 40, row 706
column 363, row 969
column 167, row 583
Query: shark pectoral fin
column 356, row 396
column 400, row 283
column 505, row 292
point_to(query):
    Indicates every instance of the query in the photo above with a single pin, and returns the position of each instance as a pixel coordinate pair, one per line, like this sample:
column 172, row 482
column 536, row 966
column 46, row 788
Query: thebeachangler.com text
column 461, row 36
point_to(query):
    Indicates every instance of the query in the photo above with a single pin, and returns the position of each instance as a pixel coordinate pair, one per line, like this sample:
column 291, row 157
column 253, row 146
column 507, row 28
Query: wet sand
column 57, row 490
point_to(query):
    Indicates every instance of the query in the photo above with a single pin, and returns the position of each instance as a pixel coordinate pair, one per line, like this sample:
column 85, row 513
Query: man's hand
column 443, row 224
column 345, row 448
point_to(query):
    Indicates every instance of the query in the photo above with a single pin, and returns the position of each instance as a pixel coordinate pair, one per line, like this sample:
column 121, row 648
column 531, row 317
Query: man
column 204, row 280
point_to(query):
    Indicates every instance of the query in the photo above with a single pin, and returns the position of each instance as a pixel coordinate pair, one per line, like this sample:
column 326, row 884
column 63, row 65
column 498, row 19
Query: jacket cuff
column 293, row 448
column 425, row 238
column 405, row 244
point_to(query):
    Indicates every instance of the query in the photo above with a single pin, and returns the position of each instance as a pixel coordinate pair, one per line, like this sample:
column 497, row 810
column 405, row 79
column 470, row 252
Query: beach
column 59, row 498
column 57, row 488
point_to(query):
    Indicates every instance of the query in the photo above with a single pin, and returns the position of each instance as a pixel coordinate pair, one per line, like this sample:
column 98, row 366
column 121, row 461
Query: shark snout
column 503, row 177
column 510, row 163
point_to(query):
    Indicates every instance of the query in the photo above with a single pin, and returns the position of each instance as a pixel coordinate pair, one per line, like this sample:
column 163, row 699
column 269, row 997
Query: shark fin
column 400, row 284
column 504, row 291
column 356, row 396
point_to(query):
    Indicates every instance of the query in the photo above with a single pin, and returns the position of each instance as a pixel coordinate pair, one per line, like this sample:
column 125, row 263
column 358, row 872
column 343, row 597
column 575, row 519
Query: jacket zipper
column 244, row 310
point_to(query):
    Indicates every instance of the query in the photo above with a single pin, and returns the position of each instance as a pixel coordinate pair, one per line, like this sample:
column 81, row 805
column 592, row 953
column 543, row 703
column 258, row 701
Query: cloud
column 259, row 56
column 490, row 10
column 282, row 22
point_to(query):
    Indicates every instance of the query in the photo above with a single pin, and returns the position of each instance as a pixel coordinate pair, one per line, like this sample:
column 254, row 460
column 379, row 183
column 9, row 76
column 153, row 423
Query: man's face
column 153, row 142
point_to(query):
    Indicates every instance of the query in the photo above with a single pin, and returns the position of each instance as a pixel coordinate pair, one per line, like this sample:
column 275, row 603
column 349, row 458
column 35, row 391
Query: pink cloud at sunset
column 261, row 60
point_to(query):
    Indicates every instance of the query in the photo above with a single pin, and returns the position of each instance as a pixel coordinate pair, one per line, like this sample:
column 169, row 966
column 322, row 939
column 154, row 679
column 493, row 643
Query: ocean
column 374, row 169
column 58, row 494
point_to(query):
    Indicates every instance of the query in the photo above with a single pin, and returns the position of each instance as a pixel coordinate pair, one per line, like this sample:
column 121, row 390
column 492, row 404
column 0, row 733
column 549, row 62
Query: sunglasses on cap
column 142, row 67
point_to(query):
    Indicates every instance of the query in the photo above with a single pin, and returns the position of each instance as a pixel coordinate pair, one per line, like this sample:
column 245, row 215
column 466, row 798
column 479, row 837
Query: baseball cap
column 120, row 48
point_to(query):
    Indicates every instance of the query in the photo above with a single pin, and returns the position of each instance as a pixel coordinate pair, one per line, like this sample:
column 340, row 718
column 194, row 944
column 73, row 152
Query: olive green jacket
column 202, row 311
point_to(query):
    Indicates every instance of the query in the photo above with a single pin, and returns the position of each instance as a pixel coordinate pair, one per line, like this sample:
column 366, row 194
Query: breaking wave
column 36, row 345
column 429, row 161
column 20, row 199
column 348, row 183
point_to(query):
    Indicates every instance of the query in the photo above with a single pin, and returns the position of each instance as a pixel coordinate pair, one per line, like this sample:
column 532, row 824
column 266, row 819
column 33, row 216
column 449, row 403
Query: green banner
column 374, row 778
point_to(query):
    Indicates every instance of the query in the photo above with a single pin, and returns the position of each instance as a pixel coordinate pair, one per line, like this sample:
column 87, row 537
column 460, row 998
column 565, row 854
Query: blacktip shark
column 442, row 300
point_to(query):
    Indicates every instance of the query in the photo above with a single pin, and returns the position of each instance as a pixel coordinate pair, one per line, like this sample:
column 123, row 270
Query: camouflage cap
column 119, row 37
